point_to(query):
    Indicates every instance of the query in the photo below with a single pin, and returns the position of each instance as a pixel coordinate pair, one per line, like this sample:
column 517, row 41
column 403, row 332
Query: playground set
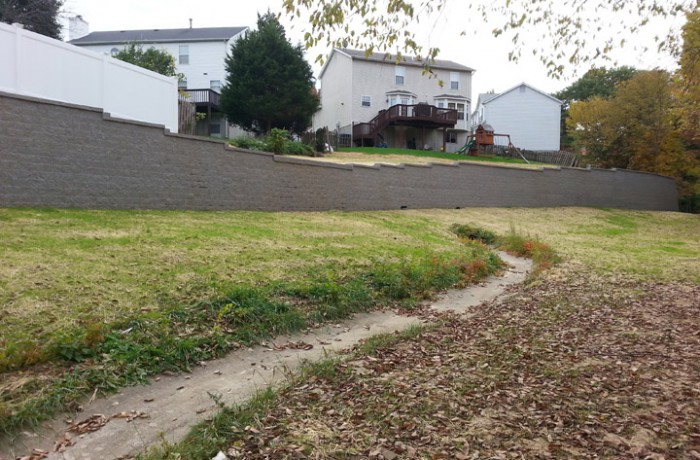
column 485, row 141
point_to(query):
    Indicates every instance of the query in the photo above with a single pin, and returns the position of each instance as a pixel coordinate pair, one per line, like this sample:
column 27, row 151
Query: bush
column 276, row 142
column 467, row 232
column 249, row 143
column 299, row 148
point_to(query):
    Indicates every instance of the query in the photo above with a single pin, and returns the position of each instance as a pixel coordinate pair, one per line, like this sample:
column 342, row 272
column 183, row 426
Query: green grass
column 105, row 298
column 111, row 297
column 431, row 154
column 663, row 246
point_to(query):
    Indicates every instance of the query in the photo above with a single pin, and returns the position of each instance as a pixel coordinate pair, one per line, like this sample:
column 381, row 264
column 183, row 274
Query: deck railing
column 202, row 96
column 406, row 114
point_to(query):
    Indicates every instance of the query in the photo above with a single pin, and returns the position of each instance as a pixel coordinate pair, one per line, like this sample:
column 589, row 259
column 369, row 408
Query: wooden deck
column 417, row 115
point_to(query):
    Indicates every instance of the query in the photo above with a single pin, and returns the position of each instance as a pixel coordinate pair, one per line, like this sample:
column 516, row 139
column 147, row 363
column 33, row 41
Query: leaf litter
column 570, row 365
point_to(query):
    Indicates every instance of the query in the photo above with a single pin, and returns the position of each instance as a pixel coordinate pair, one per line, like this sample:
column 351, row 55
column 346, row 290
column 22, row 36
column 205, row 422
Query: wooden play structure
column 486, row 141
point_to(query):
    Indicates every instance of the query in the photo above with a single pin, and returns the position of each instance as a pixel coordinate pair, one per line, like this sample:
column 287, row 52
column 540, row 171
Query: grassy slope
column 189, row 286
column 65, row 269
column 597, row 357
column 62, row 266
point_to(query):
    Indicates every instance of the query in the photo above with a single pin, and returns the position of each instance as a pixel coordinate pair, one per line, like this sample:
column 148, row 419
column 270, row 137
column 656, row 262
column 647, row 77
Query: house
column 200, row 55
column 532, row 118
column 371, row 99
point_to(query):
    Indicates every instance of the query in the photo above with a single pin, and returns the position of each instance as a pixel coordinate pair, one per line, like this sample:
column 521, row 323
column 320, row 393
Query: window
column 366, row 101
column 454, row 80
column 405, row 99
column 114, row 51
column 214, row 128
column 451, row 137
column 458, row 107
column 441, row 104
column 400, row 74
column 182, row 84
column 184, row 57
column 215, row 85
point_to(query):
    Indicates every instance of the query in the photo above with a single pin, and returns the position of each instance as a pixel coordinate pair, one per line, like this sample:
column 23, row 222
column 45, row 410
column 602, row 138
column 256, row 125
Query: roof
column 405, row 60
column 485, row 97
column 495, row 96
column 200, row 34
column 411, row 61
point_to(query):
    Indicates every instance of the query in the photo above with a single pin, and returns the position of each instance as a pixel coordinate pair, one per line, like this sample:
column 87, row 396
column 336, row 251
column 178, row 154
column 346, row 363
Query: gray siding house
column 375, row 100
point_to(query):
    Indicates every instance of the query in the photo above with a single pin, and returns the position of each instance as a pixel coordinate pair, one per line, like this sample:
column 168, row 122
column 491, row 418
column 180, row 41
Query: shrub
column 277, row 140
column 299, row 148
column 250, row 143
column 467, row 232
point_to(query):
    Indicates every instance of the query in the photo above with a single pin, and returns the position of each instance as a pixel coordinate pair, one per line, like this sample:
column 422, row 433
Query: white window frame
column 182, row 84
column 400, row 75
column 366, row 101
column 456, row 106
column 454, row 80
column 215, row 85
column 183, row 54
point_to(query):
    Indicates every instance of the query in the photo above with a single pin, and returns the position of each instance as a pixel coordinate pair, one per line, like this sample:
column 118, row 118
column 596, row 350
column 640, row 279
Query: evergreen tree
column 269, row 83
column 40, row 16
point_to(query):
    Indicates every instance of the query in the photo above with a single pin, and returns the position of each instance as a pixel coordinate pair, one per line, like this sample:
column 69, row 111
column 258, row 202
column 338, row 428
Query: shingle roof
column 491, row 96
column 485, row 97
column 159, row 35
column 405, row 60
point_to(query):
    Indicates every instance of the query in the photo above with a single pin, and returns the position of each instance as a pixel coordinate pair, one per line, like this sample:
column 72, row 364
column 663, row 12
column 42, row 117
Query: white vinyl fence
column 38, row 66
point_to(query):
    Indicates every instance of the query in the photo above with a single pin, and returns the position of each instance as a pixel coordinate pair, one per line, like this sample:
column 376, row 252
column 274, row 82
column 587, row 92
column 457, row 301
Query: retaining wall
column 60, row 155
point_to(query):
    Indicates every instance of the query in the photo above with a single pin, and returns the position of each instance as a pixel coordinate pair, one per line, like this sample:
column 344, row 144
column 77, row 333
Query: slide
column 467, row 147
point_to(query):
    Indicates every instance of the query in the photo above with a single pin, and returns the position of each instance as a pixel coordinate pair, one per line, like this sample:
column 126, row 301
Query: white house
column 200, row 54
column 375, row 100
column 531, row 117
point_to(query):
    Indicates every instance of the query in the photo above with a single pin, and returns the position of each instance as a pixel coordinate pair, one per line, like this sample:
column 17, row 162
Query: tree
column 688, row 80
column 159, row 61
column 596, row 82
column 576, row 31
column 269, row 83
column 637, row 128
column 687, row 92
column 40, row 16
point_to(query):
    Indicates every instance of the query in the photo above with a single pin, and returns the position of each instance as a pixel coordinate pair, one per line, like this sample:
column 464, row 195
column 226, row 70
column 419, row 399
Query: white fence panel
column 38, row 66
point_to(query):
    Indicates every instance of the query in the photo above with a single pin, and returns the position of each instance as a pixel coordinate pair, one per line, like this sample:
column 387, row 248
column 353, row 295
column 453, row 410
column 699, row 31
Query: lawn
column 192, row 285
column 189, row 286
column 380, row 153
column 598, row 357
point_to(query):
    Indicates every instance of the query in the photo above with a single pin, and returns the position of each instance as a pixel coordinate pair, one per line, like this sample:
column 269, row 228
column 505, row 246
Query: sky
column 477, row 48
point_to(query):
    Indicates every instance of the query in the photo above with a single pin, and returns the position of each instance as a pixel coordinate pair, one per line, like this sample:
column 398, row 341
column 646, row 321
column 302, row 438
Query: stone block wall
column 60, row 155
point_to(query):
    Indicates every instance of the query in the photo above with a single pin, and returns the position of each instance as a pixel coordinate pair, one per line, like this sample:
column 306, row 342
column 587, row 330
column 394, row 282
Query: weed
column 469, row 232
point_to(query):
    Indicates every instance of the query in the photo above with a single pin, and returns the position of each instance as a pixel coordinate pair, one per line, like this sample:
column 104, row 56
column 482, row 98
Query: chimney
column 190, row 23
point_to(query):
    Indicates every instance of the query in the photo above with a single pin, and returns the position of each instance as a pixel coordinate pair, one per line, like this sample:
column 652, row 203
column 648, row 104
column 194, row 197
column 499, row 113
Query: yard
column 596, row 355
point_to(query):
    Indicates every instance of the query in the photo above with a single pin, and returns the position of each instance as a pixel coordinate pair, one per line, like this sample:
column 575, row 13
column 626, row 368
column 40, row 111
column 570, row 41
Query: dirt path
column 171, row 405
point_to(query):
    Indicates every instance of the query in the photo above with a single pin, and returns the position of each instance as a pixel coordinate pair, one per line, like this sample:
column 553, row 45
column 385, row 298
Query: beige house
column 372, row 100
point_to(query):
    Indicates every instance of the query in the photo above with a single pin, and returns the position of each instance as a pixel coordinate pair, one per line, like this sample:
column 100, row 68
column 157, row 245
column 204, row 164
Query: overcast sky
column 477, row 49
